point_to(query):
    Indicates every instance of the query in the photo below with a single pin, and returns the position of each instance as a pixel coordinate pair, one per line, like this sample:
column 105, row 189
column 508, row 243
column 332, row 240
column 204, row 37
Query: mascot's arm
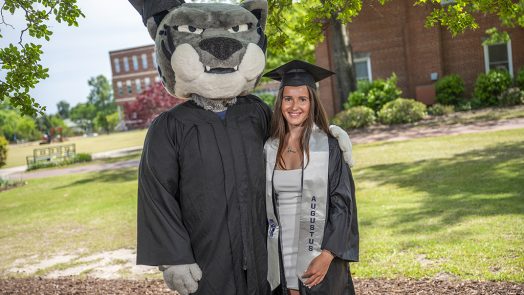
column 162, row 238
column 344, row 142
column 182, row 278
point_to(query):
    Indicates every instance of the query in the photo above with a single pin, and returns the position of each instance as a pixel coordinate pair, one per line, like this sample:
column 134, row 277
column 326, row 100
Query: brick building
column 392, row 38
column 133, row 70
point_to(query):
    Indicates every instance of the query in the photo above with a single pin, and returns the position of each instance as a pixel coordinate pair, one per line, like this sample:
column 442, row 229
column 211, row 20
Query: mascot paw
column 344, row 142
column 182, row 278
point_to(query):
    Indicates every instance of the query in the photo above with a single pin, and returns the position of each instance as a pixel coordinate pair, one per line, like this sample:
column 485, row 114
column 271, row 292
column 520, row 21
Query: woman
column 312, row 217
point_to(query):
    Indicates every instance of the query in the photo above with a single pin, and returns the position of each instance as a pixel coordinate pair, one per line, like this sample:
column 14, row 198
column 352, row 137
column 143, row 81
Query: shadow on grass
column 485, row 182
column 108, row 176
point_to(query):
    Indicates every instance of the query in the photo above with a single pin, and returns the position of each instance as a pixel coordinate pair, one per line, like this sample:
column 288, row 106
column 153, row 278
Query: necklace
column 291, row 150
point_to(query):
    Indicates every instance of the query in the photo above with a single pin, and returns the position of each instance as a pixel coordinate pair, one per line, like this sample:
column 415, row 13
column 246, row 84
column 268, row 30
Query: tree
column 149, row 104
column 316, row 16
column 63, row 109
column 101, row 97
column 84, row 114
column 22, row 60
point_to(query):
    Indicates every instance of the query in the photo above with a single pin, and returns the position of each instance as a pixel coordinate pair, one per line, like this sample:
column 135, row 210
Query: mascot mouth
column 210, row 70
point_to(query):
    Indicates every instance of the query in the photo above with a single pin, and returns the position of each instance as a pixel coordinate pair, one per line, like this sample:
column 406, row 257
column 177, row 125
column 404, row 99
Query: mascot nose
column 220, row 47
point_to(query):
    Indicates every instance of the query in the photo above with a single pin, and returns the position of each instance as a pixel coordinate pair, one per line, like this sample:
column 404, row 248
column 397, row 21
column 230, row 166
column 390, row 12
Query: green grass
column 16, row 154
column 450, row 205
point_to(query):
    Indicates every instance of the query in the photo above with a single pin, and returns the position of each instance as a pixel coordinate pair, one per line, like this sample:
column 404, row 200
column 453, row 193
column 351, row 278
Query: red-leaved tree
column 148, row 105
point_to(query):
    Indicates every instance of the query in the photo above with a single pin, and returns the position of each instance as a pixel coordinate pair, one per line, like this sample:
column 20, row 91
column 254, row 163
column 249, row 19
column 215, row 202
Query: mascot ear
column 259, row 9
column 153, row 11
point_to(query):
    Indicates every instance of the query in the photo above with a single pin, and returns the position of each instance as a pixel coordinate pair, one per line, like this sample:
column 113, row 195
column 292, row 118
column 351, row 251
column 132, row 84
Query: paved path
column 378, row 133
column 398, row 133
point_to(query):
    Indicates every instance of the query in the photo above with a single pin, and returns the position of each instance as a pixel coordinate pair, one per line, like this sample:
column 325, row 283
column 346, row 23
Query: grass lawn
column 441, row 206
column 17, row 152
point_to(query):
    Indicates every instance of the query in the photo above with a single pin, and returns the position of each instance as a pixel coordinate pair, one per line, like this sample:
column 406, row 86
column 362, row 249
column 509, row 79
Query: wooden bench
column 57, row 153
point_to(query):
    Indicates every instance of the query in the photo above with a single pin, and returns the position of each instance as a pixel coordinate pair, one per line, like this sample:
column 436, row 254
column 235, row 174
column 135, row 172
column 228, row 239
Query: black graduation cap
column 297, row 73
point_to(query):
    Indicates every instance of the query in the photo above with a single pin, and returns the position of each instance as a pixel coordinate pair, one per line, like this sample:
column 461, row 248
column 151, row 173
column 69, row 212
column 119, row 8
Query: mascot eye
column 189, row 29
column 239, row 28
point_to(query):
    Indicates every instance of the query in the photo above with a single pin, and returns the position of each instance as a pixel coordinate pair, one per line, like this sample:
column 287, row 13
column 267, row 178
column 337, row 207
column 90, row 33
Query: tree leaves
column 22, row 61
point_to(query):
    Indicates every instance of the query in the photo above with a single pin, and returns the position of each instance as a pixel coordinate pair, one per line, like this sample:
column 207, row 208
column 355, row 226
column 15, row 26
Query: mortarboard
column 297, row 73
column 156, row 8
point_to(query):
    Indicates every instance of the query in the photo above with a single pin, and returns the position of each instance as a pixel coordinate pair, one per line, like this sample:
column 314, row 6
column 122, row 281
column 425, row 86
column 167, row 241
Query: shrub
column 82, row 157
column 355, row 117
column 450, row 90
column 402, row 110
column 3, row 150
column 489, row 86
column 374, row 94
column 510, row 97
column 519, row 79
column 440, row 110
column 78, row 158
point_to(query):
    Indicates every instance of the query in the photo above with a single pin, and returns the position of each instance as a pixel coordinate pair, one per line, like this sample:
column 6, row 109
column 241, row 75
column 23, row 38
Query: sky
column 75, row 54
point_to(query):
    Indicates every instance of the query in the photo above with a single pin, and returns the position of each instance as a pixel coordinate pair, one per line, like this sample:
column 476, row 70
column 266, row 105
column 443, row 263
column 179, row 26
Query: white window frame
column 126, row 64
column 367, row 59
column 135, row 62
column 116, row 63
column 129, row 88
column 138, row 85
column 510, row 57
column 120, row 89
column 144, row 61
column 147, row 82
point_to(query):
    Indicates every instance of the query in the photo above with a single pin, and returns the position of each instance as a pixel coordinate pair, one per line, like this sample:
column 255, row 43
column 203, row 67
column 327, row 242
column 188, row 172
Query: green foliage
column 268, row 98
column 402, row 110
column 63, row 109
column 450, row 90
column 82, row 157
column 440, row 110
column 489, row 86
column 15, row 127
column 355, row 117
column 374, row 94
column 519, row 79
column 3, row 150
column 459, row 15
column 112, row 121
column 495, row 37
column 511, row 96
column 22, row 61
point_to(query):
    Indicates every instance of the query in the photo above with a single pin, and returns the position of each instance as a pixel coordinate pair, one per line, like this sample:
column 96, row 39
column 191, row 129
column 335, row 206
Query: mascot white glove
column 182, row 278
column 344, row 142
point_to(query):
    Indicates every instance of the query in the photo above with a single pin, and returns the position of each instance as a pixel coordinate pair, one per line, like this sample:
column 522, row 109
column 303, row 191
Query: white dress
column 287, row 185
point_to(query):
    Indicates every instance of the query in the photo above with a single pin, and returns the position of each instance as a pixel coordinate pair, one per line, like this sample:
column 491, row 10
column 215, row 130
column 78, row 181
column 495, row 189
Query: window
column 157, row 79
column 362, row 68
column 144, row 61
column 153, row 56
column 126, row 64
column 138, row 86
column 147, row 82
column 120, row 89
column 116, row 63
column 498, row 56
column 128, row 85
column 135, row 62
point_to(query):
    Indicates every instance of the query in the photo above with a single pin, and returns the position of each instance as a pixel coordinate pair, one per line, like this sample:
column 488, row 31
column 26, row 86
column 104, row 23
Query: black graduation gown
column 201, row 195
column 341, row 231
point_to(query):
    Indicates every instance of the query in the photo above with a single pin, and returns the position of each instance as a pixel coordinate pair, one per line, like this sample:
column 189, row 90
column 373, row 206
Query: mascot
column 201, row 187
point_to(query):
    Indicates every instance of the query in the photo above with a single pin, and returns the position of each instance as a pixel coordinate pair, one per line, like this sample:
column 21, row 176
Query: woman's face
column 295, row 105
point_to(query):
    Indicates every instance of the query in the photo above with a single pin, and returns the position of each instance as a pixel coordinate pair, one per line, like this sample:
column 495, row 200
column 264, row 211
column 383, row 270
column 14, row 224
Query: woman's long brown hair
column 317, row 115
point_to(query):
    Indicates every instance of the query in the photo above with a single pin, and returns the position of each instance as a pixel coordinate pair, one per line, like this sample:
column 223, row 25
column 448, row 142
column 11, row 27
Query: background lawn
column 450, row 206
column 17, row 152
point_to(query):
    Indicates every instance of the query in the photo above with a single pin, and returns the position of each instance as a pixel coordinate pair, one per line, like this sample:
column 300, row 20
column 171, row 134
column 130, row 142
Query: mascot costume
column 201, row 188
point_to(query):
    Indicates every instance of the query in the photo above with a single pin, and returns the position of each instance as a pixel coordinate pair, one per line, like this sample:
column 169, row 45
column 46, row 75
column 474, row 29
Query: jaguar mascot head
column 212, row 50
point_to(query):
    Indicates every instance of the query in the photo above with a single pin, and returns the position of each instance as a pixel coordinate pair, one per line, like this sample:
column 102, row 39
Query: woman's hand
column 318, row 269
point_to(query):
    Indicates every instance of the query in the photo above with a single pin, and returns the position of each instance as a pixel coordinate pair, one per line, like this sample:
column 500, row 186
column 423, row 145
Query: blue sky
column 77, row 53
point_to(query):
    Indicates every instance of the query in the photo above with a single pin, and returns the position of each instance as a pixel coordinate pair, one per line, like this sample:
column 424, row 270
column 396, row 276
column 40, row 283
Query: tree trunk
column 342, row 60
